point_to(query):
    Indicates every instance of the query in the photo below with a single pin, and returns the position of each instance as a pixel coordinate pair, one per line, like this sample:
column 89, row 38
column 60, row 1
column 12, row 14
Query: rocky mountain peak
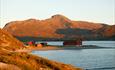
column 60, row 17
column 31, row 20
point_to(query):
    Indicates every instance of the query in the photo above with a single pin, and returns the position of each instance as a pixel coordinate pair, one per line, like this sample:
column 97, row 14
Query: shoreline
column 47, row 48
column 30, row 49
column 26, row 61
column 27, row 51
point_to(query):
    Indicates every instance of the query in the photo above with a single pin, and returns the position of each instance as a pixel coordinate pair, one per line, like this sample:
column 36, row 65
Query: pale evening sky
column 102, row 11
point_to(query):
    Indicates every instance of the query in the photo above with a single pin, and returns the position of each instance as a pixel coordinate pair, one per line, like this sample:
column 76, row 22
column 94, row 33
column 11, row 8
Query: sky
column 99, row 11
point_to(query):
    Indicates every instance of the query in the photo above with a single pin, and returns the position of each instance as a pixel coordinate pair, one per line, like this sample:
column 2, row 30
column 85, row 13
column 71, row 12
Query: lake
column 90, row 59
column 98, row 43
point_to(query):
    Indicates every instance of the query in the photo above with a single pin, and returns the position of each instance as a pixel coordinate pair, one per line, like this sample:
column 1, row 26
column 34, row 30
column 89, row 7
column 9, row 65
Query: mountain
column 8, row 42
column 59, row 27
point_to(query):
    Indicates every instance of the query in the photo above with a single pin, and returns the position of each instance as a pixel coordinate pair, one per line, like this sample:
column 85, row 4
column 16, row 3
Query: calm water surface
column 92, row 59
column 98, row 43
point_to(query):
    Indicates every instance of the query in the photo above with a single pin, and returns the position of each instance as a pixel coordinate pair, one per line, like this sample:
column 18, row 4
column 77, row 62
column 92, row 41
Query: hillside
column 24, row 61
column 10, row 60
column 8, row 42
column 59, row 27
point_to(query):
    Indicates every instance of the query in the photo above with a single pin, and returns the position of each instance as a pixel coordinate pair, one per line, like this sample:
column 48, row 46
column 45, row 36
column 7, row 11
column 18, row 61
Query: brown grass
column 4, row 66
column 27, row 61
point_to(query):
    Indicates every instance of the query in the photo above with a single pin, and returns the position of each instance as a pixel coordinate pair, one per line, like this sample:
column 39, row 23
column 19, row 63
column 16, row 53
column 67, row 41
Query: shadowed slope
column 48, row 28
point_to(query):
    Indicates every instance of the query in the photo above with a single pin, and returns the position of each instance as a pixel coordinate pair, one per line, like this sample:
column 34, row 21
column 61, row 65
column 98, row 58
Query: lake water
column 91, row 59
column 98, row 43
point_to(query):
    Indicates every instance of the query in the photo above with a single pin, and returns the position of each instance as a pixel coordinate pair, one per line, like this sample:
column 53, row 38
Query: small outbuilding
column 70, row 42
column 31, row 43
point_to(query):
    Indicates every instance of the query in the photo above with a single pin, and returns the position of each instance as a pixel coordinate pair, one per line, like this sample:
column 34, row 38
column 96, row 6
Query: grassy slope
column 27, row 61
column 8, row 42
column 10, row 60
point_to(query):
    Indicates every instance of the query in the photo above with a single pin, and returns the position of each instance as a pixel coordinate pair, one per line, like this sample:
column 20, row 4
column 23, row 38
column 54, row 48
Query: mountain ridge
column 47, row 28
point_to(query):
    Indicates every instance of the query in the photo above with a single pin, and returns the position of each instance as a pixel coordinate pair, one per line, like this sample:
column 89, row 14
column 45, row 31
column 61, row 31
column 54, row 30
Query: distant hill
column 8, row 42
column 59, row 27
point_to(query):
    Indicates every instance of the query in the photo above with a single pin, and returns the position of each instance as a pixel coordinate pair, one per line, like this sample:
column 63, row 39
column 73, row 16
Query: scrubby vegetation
column 27, row 61
column 12, row 60
column 8, row 42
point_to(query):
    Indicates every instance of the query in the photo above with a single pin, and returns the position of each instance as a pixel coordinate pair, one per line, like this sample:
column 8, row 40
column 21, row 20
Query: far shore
column 46, row 48
column 30, row 49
